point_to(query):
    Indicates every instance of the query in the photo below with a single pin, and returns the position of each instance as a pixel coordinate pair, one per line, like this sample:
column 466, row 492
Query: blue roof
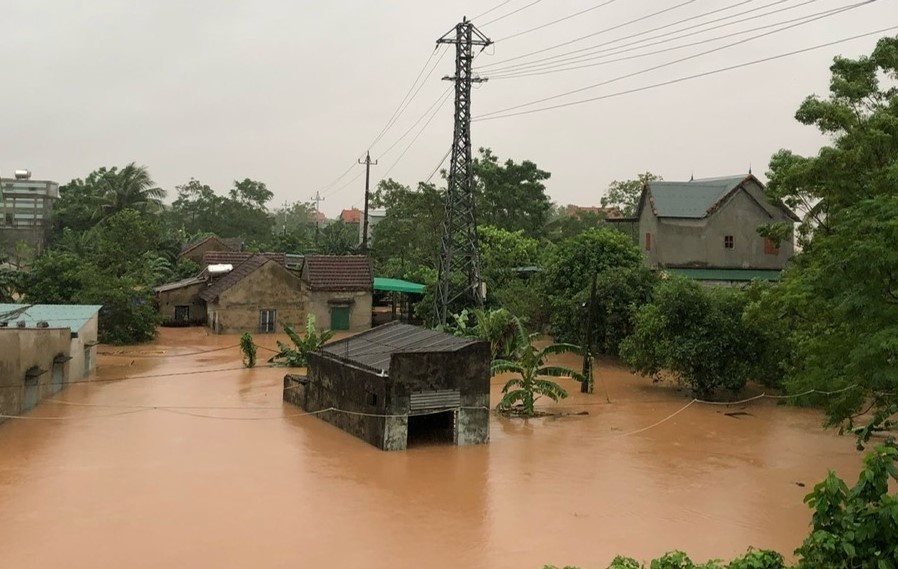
column 73, row 316
column 691, row 199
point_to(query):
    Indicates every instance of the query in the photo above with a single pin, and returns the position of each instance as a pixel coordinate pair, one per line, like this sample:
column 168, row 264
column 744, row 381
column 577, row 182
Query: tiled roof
column 179, row 284
column 239, row 272
column 372, row 349
column 237, row 257
column 72, row 316
column 351, row 215
column 337, row 272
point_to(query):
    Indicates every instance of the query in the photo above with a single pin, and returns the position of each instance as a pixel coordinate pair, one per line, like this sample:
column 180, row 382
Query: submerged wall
column 22, row 349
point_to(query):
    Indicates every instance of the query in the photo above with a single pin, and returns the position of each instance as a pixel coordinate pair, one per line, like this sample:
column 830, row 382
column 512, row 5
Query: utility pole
column 459, row 272
column 587, row 385
column 317, row 199
column 367, row 164
column 285, row 216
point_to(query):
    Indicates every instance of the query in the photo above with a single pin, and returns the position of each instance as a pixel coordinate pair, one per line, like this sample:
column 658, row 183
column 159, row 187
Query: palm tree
column 532, row 381
column 128, row 188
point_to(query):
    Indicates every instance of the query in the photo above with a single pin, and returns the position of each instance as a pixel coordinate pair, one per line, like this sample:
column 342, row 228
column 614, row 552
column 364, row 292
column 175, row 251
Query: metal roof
column 73, row 316
column 735, row 275
column 372, row 349
column 692, row 199
column 398, row 285
column 239, row 273
column 179, row 284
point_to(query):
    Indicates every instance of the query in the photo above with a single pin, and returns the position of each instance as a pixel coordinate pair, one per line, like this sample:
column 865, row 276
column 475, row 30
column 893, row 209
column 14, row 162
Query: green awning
column 398, row 285
column 731, row 275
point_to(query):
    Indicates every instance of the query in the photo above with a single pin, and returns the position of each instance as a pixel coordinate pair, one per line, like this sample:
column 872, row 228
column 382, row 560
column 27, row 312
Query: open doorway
column 431, row 429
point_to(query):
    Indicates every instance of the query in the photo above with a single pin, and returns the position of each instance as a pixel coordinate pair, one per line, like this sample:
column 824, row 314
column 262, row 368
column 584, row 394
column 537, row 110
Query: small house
column 338, row 291
column 179, row 302
column 234, row 258
column 397, row 385
column 258, row 294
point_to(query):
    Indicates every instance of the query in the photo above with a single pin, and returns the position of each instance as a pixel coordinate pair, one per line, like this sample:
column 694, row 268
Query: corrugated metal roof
column 179, row 284
column 372, row 349
column 73, row 316
column 735, row 275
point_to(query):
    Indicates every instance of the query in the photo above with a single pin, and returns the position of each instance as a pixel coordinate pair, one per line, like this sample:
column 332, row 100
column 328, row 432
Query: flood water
column 175, row 459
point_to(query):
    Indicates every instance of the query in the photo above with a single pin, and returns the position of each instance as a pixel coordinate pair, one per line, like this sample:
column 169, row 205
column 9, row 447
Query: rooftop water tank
column 23, row 174
column 215, row 270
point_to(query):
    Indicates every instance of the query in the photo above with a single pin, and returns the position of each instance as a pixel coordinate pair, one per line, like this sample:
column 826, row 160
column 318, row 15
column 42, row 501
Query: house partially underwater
column 397, row 385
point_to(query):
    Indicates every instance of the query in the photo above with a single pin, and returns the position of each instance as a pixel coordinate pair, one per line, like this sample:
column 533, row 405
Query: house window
column 727, row 241
column 648, row 241
column 771, row 248
column 267, row 317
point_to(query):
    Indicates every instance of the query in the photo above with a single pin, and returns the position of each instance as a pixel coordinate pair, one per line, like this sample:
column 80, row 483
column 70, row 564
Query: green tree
column 407, row 240
column 128, row 188
column 339, row 238
column 533, row 373
column 251, row 193
column 502, row 252
column 861, row 117
column 298, row 354
column 569, row 269
column 697, row 335
column 570, row 221
column 511, row 196
column 624, row 195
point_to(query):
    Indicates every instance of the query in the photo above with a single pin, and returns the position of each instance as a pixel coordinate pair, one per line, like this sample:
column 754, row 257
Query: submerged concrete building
column 400, row 384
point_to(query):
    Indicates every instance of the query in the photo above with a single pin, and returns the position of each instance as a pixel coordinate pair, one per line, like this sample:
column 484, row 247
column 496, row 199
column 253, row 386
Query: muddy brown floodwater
column 199, row 464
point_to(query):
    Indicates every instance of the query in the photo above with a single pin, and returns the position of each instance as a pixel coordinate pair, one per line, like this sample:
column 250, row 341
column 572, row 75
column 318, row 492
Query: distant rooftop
column 73, row 316
column 692, row 199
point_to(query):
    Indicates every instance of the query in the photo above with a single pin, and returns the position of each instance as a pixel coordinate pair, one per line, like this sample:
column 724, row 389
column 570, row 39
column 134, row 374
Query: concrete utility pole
column 368, row 163
column 285, row 216
column 587, row 385
column 459, row 277
column 317, row 199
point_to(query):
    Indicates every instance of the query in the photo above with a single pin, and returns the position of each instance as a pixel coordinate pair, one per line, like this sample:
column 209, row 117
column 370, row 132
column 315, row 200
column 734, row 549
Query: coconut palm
column 128, row 188
column 533, row 373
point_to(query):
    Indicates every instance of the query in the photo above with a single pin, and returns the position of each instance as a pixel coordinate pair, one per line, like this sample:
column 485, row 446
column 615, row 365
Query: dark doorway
column 431, row 429
column 182, row 314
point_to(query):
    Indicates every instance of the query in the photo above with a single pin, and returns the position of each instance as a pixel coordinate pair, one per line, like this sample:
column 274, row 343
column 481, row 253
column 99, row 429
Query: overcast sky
column 292, row 92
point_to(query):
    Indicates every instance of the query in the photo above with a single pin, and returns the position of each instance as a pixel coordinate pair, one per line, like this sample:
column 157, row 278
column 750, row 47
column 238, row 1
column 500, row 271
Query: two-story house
column 708, row 229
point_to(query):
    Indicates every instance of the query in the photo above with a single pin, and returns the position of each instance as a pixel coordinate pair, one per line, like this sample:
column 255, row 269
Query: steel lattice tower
column 459, row 277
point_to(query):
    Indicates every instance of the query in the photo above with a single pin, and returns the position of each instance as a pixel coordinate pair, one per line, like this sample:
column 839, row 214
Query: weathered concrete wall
column 360, row 305
column 700, row 242
column 648, row 225
column 349, row 388
column 83, row 350
column 467, row 370
column 186, row 296
column 20, row 350
column 269, row 287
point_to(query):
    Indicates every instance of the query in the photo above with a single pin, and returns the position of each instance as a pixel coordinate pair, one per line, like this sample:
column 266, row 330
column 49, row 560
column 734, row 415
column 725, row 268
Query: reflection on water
column 226, row 475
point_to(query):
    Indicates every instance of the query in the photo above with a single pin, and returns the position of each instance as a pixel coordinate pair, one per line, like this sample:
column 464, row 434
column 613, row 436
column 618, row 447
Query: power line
column 575, row 40
column 493, row 9
column 552, row 23
column 616, row 49
column 513, row 12
column 420, row 132
column 435, row 170
column 566, row 66
column 690, row 77
column 400, row 108
column 669, row 63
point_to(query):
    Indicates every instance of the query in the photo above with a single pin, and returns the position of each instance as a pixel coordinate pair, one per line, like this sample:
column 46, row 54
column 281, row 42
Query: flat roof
column 73, row 316
column 398, row 285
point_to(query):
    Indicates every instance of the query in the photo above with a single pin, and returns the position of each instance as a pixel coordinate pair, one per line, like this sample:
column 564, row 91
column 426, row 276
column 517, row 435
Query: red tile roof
column 338, row 273
column 351, row 215
column 236, row 257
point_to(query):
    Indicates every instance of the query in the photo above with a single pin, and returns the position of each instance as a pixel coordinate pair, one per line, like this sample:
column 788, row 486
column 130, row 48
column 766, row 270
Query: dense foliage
column 697, row 335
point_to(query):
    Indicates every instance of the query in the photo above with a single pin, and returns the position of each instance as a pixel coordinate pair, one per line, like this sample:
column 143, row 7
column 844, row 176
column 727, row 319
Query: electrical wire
column 504, row 113
column 493, row 9
column 567, row 67
column 552, row 23
column 420, row 132
column 513, row 12
column 616, row 49
column 575, row 40
column 438, row 166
